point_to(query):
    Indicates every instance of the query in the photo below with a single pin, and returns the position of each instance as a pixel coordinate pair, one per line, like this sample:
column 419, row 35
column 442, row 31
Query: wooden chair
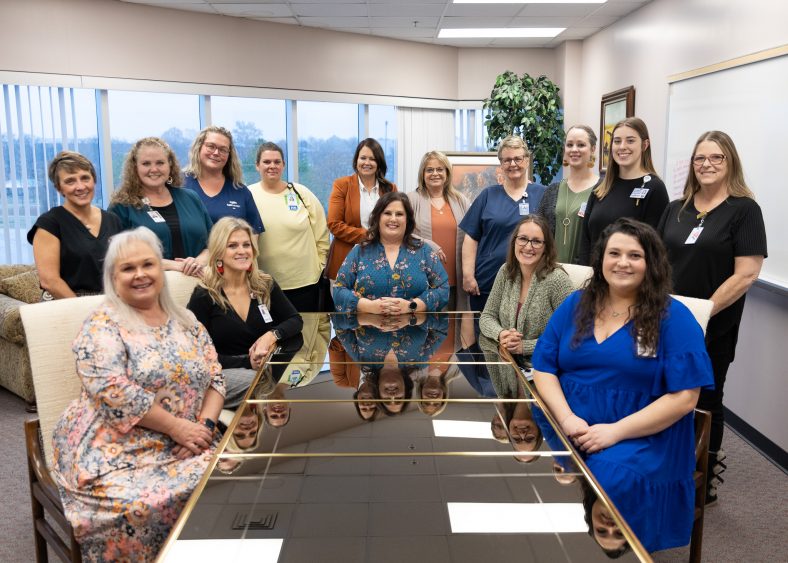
column 50, row 329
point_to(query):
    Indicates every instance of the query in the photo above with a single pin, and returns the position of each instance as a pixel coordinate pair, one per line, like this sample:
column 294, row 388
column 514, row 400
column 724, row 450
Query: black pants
column 305, row 299
column 712, row 400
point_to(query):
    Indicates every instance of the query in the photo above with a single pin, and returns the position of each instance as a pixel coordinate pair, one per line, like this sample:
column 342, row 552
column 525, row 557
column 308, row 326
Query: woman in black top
column 716, row 242
column 70, row 241
column 631, row 187
column 244, row 309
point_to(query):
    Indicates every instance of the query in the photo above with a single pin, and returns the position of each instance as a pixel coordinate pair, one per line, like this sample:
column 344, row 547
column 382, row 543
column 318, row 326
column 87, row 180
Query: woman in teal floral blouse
column 392, row 272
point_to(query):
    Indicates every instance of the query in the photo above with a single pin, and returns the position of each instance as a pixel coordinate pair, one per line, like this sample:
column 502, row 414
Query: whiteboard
column 750, row 103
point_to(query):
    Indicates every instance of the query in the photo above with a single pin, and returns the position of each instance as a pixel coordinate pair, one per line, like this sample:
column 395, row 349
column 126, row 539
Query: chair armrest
column 36, row 462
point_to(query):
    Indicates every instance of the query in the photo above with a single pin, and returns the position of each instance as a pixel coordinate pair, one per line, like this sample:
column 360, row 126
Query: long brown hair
column 653, row 293
column 258, row 281
column 737, row 187
column 646, row 162
column 549, row 260
column 130, row 191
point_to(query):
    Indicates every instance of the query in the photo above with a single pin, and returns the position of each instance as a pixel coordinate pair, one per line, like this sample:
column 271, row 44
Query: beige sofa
column 19, row 285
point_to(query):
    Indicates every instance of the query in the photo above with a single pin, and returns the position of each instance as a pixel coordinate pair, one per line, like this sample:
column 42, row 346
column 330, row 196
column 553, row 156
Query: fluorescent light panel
column 516, row 518
column 461, row 429
column 499, row 32
column 259, row 550
column 530, row 2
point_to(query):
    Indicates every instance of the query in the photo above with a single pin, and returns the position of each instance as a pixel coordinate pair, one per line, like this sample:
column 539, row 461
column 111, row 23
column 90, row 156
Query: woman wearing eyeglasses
column 438, row 208
column 492, row 217
column 214, row 173
column 716, row 243
column 631, row 187
column 528, row 288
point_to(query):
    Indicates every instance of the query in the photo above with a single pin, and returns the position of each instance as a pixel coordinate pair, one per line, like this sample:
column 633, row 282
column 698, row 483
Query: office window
column 35, row 124
column 327, row 139
column 383, row 127
column 470, row 133
column 252, row 121
column 133, row 115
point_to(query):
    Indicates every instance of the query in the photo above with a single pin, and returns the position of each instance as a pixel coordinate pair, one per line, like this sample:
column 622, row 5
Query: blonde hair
column 258, row 281
column 646, row 161
column 117, row 250
column 449, row 190
column 232, row 168
column 737, row 187
column 131, row 190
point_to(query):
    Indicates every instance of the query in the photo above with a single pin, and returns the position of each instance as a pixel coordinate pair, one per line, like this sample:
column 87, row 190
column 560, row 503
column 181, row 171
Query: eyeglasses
column 714, row 159
column 211, row 148
column 518, row 160
column 435, row 171
column 536, row 243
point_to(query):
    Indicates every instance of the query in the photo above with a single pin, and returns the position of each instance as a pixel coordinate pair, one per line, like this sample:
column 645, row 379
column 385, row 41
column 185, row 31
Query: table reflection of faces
column 277, row 413
column 513, row 423
column 366, row 406
column 246, row 432
column 605, row 531
column 391, row 387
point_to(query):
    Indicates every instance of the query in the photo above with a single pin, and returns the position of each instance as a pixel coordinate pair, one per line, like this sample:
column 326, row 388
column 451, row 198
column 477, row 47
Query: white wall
column 667, row 37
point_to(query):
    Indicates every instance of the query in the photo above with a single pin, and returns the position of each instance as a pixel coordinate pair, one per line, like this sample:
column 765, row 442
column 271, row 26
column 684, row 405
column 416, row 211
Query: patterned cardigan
column 544, row 297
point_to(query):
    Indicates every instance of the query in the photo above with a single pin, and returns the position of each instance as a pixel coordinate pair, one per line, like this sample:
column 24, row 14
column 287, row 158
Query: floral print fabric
column 366, row 272
column 121, row 486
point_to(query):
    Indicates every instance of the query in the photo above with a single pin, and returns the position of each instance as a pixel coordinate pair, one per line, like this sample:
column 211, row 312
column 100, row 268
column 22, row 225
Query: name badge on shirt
column 156, row 216
column 265, row 313
column 524, row 208
column 693, row 236
column 639, row 193
column 292, row 202
column 296, row 376
column 582, row 211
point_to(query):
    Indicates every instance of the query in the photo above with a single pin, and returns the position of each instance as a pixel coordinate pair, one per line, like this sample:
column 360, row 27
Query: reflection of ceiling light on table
column 516, row 517
column 258, row 550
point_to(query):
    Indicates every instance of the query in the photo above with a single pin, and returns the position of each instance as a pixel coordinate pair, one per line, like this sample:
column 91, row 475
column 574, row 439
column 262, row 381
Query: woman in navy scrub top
column 493, row 216
column 716, row 242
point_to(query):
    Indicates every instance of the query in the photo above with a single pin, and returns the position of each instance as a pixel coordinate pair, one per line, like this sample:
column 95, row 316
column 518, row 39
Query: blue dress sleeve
column 684, row 363
column 545, row 357
column 436, row 296
column 345, row 299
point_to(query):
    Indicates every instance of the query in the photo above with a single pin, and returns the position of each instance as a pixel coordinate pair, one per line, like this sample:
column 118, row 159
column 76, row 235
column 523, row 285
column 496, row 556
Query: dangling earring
column 565, row 162
column 591, row 162
column 250, row 268
column 169, row 180
column 220, row 267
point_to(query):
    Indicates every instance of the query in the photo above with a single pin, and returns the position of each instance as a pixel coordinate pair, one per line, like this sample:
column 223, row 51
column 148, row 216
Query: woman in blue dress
column 391, row 272
column 620, row 365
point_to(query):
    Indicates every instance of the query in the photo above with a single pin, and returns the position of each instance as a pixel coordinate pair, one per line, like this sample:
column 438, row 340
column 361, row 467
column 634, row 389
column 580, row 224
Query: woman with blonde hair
column 631, row 187
column 150, row 196
column 492, row 217
column 716, row 242
column 214, row 173
column 242, row 307
column 438, row 208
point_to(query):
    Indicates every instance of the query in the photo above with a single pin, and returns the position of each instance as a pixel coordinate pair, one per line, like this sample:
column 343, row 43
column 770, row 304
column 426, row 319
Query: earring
column 220, row 267
column 591, row 162
column 169, row 180
column 250, row 268
column 565, row 162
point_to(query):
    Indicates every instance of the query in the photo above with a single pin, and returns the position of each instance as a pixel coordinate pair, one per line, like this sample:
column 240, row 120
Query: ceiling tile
column 254, row 10
column 329, row 10
column 336, row 23
column 618, row 9
column 191, row 7
column 462, row 23
column 290, row 21
column 474, row 10
column 404, row 32
column 404, row 22
column 557, row 10
column 544, row 21
column 426, row 10
column 597, row 21
column 577, row 33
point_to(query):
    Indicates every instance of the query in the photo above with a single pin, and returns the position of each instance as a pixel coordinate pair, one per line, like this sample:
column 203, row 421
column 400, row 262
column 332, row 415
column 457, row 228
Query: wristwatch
column 412, row 306
column 208, row 423
column 277, row 334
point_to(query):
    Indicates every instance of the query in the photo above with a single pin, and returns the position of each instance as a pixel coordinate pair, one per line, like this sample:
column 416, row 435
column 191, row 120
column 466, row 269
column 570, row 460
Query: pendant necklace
column 568, row 209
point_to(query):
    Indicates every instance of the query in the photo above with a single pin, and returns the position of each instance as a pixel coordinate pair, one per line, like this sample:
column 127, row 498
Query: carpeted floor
column 749, row 522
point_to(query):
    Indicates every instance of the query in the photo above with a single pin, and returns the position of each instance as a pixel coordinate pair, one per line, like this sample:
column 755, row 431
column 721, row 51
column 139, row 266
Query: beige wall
column 667, row 37
column 477, row 68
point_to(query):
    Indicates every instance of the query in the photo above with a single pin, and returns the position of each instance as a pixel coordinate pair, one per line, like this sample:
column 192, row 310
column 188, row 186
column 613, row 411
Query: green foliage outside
column 531, row 108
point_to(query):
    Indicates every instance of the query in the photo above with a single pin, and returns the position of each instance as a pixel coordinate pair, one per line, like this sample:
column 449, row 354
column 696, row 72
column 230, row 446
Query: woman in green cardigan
column 528, row 288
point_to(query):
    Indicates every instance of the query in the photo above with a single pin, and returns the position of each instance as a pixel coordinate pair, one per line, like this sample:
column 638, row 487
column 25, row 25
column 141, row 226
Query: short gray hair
column 117, row 245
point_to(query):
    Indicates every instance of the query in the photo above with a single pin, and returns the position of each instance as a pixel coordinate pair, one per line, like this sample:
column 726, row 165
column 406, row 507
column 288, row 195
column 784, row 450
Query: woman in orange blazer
column 352, row 199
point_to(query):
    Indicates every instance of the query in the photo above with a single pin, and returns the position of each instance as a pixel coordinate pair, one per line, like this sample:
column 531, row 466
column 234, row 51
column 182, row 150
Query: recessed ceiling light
column 498, row 32
column 530, row 2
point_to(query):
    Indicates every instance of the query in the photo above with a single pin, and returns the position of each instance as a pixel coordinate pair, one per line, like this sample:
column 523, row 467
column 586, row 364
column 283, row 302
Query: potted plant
column 531, row 108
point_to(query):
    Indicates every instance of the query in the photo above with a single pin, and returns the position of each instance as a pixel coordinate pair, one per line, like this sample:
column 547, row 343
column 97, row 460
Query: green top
column 568, row 222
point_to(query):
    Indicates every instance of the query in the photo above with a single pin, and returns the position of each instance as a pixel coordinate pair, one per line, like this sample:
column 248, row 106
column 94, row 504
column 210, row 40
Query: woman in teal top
column 149, row 197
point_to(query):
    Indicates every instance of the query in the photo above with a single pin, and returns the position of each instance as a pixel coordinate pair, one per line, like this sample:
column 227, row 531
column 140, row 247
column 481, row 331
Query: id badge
column 292, row 202
column 156, row 216
column 295, row 377
column 693, row 236
column 265, row 313
column 639, row 193
column 524, row 208
column 582, row 211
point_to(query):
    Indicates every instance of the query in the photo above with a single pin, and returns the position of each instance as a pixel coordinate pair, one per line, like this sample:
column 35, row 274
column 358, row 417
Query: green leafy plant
column 531, row 108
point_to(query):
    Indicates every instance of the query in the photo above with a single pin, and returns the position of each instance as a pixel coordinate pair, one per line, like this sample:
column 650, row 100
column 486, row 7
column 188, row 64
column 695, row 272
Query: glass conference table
column 403, row 439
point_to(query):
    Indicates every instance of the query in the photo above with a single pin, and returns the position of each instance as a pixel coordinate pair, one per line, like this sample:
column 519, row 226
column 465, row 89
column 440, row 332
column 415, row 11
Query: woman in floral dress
column 391, row 272
column 130, row 450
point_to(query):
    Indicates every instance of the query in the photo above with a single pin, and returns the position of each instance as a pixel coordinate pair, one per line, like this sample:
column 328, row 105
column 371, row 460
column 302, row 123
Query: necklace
column 569, row 209
column 433, row 204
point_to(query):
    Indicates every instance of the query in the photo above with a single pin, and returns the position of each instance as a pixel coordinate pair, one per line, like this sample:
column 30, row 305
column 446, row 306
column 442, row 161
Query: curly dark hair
column 549, row 260
column 380, row 159
column 653, row 294
column 373, row 233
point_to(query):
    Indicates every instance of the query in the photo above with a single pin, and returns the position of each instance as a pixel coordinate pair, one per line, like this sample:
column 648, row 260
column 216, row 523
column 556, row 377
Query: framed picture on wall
column 615, row 107
column 471, row 172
